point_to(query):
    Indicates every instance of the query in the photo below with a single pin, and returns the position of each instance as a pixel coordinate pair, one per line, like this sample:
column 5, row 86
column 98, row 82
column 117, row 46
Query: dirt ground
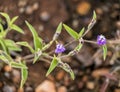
column 45, row 15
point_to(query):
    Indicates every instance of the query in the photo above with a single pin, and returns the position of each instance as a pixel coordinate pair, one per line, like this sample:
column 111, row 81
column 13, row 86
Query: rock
column 7, row 75
column 29, row 10
column 35, row 6
column 90, row 85
column 22, row 9
column 83, row 8
column 99, row 72
column 22, row 3
column 62, row 89
column 8, row 88
column 16, row 76
column 7, row 68
column 44, row 16
column 28, row 89
column 60, row 75
column 41, row 27
column 46, row 86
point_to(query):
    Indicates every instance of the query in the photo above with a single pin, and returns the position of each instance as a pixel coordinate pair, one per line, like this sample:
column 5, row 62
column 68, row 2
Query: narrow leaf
column 18, row 65
column 4, row 47
column 79, row 47
column 58, row 31
column 1, row 28
column 104, row 51
column 26, row 45
column 37, row 55
column 68, row 69
column 94, row 15
column 72, row 74
column 24, row 76
column 13, row 20
column 53, row 64
column 36, row 38
column 71, row 31
column 12, row 45
column 6, row 17
column 16, row 28
column 81, row 32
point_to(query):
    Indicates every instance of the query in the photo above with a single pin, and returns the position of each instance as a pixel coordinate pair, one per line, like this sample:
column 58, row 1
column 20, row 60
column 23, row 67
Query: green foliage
column 58, row 31
column 6, row 16
column 13, row 20
column 16, row 28
column 23, row 43
column 73, row 33
column 17, row 65
column 39, row 51
column 67, row 68
column 3, row 45
column 104, row 47
column 53, row 65
column 11, row 45
column 24, row 75
column 94, row 15
column 36, row 38
column 81, row 32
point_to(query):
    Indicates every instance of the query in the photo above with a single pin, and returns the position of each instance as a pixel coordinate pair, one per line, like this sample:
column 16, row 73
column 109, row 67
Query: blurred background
column 45, row 15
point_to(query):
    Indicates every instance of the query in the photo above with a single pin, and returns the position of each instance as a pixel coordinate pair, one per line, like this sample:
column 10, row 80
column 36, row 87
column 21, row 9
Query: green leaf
column 18, row 65
column 81, row 32
column 7, row 56
column 12, row 45
column 94, row 15
column 104, row 47
column 79, row 47
column 72, row 74
column 4, row 47
column 23, row 43
column 6, row 17
column 24, row 76
column 36, row 38
column 3, row 58
column 13, row 20
column 53, row 64
column 58, row 31
column 47, row 45
column 2, row 32
column 17, row 28
column 1, row 28
column 71, row 32
column 37, row 55
column 67, row 68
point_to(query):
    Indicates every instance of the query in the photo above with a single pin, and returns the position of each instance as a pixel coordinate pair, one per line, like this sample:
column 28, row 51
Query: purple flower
column 101, row 40
column 59, row 48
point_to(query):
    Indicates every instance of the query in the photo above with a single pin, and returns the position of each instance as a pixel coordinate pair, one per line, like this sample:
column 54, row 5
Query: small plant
column 39, row 50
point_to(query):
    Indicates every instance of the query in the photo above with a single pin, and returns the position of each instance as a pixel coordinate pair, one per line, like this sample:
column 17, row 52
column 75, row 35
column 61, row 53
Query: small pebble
column 60, row 75
column 46, row 86
column 62, row 89
column 8, row 88
column 41, row 27
column 83, row 8
column 16, row 76
column 22, row 3
column 7, row 68
column 44, row 16
column 90, row 85
column 29, row 10
column 35, row 6
column 22, row 10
